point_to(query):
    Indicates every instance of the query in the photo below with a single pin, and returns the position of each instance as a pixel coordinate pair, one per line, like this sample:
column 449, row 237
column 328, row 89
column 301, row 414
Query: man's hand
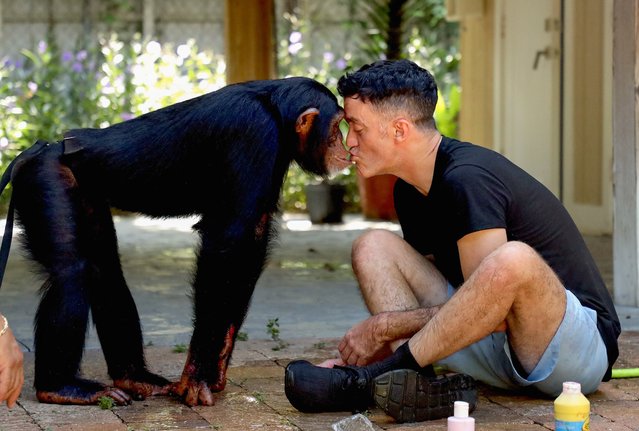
column 11, row 370
column 365, row 342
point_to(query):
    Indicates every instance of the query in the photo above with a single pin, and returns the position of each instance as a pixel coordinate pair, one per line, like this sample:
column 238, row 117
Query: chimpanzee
column 222, row 156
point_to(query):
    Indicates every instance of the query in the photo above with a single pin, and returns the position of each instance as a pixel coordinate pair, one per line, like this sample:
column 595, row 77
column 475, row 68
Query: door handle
column 547, row 52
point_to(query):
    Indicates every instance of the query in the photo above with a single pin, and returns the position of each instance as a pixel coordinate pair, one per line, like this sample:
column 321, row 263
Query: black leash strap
column 8, row 175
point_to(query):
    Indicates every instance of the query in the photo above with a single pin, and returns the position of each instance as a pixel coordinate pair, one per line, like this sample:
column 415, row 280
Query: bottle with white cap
column 572, row 409
column 461, row 421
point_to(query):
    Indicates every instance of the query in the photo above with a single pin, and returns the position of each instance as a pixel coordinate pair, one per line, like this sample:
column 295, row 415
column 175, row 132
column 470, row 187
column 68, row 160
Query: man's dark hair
column 394, row 85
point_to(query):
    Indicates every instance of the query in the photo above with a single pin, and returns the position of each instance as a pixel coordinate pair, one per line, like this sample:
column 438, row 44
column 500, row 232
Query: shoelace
column 356, row 379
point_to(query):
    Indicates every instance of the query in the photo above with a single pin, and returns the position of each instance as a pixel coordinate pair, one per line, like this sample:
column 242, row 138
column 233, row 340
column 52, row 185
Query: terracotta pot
column 376, row 197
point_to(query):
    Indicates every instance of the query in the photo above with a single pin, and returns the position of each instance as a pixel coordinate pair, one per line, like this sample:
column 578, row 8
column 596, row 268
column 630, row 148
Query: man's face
column 369, row 138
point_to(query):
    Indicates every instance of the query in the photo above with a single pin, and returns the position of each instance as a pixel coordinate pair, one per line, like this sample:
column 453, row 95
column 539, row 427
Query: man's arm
column 474, row 247
column 377, row 336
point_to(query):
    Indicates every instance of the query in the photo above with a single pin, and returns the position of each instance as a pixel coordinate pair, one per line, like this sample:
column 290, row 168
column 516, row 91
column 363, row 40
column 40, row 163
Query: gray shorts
column 576, row 353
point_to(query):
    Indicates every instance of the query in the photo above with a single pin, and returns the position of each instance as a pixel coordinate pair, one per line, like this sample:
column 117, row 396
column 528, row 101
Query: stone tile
column 598, row 423
column 616, row 390
column 239, row 409
column 621, row 412
column 16, row 419
column 439, row 425
column 512, row 408
column 316, row 421
column 160, row 413
column 255, row 399
column 267, row 369
column 61, row 417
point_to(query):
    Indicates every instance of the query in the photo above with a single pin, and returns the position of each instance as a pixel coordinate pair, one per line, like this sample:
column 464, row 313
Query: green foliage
column 106, row 403
column 273, row 329
column 259, row 396
column 447, row 111
column 46, row 92
column 412, row 29
column 180, row 348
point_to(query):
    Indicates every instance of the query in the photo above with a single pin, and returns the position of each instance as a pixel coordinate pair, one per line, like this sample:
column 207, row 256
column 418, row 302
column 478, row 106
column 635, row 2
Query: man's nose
column 350, row 140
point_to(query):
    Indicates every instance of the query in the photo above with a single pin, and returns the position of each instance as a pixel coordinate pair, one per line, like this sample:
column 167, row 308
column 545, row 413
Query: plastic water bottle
column 460, row 421
column 572, row 409
column 356, row 422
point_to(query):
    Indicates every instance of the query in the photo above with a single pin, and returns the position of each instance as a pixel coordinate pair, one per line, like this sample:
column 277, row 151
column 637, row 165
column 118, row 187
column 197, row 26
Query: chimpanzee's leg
column 113, row 309
column 50, row 208
column 224, row 282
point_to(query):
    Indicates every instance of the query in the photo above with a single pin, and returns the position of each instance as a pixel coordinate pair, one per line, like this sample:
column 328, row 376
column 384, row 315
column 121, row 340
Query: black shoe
column 313, row 389
column 409, row 396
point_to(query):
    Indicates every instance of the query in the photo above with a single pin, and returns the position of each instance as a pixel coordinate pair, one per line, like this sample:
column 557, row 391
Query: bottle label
column 572, row 426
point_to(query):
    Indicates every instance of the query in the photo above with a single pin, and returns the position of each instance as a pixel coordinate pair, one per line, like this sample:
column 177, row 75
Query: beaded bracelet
column 5, row 327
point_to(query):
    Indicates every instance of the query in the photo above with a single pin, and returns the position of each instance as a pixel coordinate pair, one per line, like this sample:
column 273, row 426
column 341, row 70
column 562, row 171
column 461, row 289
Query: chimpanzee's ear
column 304, row 123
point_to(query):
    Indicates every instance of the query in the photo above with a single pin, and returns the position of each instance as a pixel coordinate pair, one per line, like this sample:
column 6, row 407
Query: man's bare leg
column 512, row 284
column 393, row 277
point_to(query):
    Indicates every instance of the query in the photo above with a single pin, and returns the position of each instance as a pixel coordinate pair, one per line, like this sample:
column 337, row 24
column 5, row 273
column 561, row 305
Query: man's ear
column 304, row 123
column 400, row 128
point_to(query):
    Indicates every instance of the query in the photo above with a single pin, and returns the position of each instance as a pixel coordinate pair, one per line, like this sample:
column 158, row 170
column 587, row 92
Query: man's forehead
column 352, row 108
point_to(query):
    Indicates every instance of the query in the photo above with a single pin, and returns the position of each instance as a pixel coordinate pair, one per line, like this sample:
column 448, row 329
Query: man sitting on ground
column 491, row 278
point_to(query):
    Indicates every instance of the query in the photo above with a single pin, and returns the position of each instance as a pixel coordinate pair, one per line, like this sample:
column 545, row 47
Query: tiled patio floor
column 325, row 301
column 255, row 400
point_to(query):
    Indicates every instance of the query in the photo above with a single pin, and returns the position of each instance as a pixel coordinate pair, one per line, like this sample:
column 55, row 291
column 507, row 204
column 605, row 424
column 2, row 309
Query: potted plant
column 325, row 201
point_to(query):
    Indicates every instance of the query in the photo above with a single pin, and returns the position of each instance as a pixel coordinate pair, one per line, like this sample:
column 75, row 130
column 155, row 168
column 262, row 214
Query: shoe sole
column 408, row 396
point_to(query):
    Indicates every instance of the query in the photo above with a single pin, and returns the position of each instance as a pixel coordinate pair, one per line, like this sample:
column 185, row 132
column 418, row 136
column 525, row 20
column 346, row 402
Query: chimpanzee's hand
column 193, row 392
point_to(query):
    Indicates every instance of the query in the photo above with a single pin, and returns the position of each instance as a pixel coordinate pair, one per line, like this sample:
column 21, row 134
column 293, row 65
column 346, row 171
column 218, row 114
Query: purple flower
column 329, row 56
column 33, row 87
column 340, row 64
column 127, row 116
column 81, row 55
column 77, row 67
column 295, row 37
column 295, row 48
column 42, row 46
column 67, row 56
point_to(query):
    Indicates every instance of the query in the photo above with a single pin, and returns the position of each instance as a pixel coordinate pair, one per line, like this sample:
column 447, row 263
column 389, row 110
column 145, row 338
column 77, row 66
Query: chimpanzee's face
column 336, row 157
column 321, row 143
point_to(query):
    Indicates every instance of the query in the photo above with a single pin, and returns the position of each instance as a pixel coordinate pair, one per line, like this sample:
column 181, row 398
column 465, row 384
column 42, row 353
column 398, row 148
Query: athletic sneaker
column 405, row 395
column 408, row 396
column 313, row 389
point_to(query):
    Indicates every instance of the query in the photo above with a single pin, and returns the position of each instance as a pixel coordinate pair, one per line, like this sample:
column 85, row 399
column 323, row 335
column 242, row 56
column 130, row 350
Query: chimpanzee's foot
column 81, row 391
column 143, row 384
column 195, row 392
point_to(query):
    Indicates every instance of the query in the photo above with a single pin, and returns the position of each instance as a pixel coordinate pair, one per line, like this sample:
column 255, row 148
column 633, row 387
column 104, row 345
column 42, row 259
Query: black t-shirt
column 475, row 188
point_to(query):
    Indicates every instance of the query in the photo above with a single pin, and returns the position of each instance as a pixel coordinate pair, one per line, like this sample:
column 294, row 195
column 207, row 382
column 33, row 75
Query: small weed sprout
column 273, row 329
column 106, row 403
column 179, row 348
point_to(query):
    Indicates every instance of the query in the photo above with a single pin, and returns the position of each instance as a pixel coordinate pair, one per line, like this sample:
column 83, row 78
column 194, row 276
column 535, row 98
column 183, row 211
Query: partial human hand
column 364, row 342
column 11, row 369
column 330, row 363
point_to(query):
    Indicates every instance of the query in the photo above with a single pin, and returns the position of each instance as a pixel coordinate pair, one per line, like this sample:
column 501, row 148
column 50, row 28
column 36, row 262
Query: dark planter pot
column 325, row 202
